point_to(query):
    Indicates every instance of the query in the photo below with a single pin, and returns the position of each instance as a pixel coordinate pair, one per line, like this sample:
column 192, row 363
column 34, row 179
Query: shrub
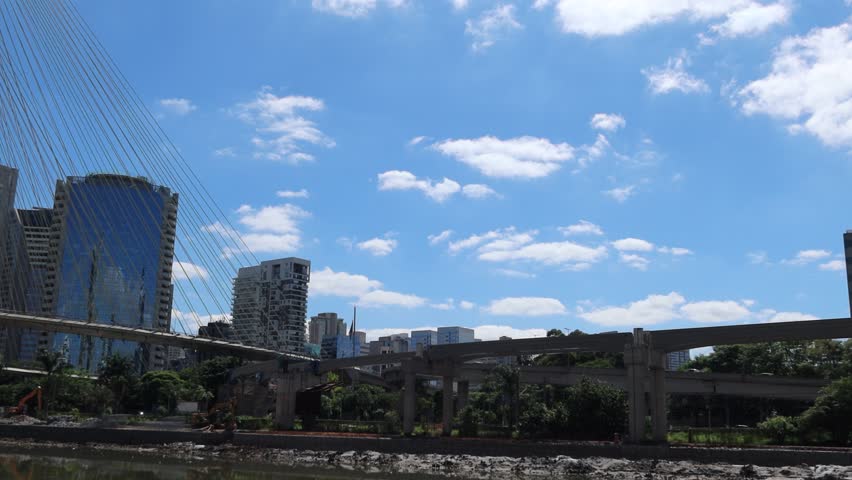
column 468, row 421
column 779, row 428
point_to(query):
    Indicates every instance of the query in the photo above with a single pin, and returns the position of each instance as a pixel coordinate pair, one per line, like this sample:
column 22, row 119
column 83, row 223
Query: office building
column 450, row 335
column 35, row 227
column 675, row 360
column 340, row 346
column 362, row 340
column 396, row 343
column 111, row 251
column 270, row 304
column 217, row 329
column 325, row 324
column 427, row 338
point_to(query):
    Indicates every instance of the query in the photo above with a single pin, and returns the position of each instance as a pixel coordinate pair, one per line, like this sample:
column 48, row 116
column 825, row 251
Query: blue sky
column 591, row 165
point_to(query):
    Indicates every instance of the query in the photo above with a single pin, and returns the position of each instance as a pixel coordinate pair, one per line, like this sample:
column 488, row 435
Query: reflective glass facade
column 113, row 241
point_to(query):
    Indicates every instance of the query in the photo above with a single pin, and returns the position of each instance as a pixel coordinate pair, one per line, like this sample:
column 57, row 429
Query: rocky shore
column 447, row 466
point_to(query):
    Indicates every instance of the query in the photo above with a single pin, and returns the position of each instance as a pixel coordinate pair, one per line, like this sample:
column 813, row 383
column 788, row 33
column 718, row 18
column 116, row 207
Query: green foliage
column 779, row 428
column 832, row 411
column 362, row 402
column 162, row 389
column 211, row 374
column 118, row 375
column 584, row 359
column 813, row 359
column 468, row 420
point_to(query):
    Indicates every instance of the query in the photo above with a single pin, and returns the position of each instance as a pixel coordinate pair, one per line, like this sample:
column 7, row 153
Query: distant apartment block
column 677, row 359
column 270, row 304
column 325, row 324
column 450, row 335
column 218, row 329
column 427, row 338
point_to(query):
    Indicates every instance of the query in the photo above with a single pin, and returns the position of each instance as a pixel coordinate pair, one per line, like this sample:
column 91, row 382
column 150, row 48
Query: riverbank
column 454, row 466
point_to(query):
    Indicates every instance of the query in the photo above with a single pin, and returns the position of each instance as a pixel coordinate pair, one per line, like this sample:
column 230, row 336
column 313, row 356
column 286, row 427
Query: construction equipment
column 21, row 408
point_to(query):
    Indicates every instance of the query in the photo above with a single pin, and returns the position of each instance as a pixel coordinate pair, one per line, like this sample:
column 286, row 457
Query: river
column 75, row 465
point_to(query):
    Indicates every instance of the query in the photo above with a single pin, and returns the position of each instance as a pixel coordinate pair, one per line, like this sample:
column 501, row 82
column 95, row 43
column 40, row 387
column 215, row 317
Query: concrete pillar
column 409, row 402
column 636, row 361
column 447, row 410
column 658, row 397
column 285, row 401
column 463, row 391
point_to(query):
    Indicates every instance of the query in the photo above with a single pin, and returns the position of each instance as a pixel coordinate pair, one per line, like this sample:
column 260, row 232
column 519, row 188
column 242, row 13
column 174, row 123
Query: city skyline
column 637, row 205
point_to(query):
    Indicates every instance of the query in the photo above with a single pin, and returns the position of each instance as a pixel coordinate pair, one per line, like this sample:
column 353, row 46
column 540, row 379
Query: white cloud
column 478, row 190
column 273, row 229
column 652, row 310
column 403, row 180
column 634, row 261
column 510, row 245
column 526, row 307
column 753, row 19
column 439, row 238
column 590, row 153
column 804, row 257
column 609, row 122
column 521, row 157
column 449, row 304
column 809, row 86
column 508, row 272
column 224, row 152
column 633, row 245
column 618, row 17
column 494, row 332
column 417, row 140
column 303, row 193
column 715, row 311
column 280, row 129
column 188, row 271
column 540, row 4
column 178, row 106
column 466, row 305
column 757, row 258
column 341, row 284
column 833, row 265
column 459, row 4
column 490, row 25
column 771, row 316
column 676, row 251
column 674, row 77
column 620, row 194
column 582, row 228
column 384, row 298
column 378, row 247
column 345, row 8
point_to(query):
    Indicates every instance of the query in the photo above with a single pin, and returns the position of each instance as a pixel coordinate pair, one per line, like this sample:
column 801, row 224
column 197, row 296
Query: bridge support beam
column 658, row 396
column 463, row 392
column 285, row 401
column 447, row 408
column 636, row 361
column 409, row 401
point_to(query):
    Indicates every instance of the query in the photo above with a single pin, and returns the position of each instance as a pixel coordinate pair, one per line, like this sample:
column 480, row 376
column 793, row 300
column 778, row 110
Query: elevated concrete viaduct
column 644, row 378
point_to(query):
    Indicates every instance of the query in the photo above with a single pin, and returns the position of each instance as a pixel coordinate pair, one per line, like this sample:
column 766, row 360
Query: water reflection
column 36, row 467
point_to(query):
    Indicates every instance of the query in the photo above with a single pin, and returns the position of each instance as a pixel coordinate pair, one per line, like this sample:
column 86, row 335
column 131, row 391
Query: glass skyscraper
column 112, row 247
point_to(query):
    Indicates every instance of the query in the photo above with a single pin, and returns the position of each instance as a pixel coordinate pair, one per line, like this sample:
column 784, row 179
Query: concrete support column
column 636, row 361
column 463, row 391
column 285, row 401
column 447, row 410
column 658, row 396
column 409, row 402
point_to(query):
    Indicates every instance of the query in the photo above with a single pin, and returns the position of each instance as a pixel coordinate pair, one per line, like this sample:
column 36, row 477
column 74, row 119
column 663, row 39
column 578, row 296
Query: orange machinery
column 21, row 408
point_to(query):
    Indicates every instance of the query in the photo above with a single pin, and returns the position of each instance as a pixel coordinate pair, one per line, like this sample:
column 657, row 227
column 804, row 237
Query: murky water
column 70, row 465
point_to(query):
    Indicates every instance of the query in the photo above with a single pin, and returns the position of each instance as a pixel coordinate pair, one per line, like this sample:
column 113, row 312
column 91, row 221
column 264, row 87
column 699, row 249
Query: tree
column 778, row 427
column 119, row 376
column 54, row 366
column 832, row 411
column 162, row 388
column 212, row 374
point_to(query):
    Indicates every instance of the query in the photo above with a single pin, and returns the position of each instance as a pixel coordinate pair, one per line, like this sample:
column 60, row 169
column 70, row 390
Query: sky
column 517, row 166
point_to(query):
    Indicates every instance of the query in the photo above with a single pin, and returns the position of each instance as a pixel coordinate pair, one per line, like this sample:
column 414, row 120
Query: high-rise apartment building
column 270, row 304
column 111, row 251
column 427, row 338
column 325, row 324
column 449, row 335
column 676, row 359
column 35, row 227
